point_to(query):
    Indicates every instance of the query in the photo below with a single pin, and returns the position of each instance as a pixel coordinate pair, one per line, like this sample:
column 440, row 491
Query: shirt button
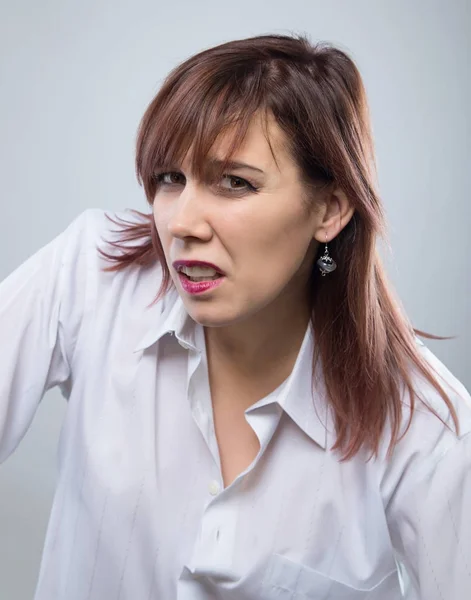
column 214, row 488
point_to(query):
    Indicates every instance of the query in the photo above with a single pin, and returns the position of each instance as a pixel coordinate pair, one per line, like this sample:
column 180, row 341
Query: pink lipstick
column 202, row 285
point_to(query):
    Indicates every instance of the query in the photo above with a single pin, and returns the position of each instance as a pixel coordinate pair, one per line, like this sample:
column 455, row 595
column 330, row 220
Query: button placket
column 214, row 548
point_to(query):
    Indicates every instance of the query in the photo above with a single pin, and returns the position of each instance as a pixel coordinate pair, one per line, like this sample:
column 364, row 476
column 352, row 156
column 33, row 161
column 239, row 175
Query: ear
column 335, row 214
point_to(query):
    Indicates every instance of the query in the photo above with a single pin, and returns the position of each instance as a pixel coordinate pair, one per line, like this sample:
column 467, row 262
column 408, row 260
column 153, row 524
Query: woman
column 250, row 415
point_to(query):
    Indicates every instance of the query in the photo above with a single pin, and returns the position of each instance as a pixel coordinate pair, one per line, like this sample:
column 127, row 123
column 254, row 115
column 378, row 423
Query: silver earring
column 326, row 263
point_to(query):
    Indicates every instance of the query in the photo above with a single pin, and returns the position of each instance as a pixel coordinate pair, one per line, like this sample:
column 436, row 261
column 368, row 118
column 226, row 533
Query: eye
column 233, row 183
column 170, row 178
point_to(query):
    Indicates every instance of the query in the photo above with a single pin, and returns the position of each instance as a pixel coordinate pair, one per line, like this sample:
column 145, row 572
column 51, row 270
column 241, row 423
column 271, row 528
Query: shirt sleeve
column 430, row 525
column 38, row 324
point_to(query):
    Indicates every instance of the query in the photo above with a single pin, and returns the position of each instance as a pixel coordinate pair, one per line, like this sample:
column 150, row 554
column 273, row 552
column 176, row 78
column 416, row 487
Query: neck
column 266, row 342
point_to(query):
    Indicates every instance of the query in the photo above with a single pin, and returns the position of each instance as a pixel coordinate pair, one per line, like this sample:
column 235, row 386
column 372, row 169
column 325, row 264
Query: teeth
column 203, row 278
column 199, row 272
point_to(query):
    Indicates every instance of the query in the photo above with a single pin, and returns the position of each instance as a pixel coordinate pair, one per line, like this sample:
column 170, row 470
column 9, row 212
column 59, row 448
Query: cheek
column 272, row 256
column 161, row 226
column 280, row 240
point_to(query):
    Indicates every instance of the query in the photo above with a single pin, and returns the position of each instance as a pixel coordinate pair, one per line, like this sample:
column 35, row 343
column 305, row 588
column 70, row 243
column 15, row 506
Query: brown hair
column 366, row 346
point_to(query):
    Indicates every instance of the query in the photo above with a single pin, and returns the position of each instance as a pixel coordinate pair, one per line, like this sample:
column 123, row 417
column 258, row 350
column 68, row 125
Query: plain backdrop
column 75, row 79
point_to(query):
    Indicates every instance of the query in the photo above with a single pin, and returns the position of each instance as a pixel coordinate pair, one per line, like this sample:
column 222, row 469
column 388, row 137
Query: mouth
column 197, row 277
column 197, row 271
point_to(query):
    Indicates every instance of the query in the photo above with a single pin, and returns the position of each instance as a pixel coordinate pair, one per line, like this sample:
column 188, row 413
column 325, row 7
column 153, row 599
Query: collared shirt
column 140, row 511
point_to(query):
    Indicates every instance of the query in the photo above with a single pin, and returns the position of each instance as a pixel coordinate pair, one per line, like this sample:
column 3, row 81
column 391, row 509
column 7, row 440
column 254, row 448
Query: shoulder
column 102, row 226
column 430, row 434
column 98, row 303
column 429, row 398
column 87, row 244
column 97, row 237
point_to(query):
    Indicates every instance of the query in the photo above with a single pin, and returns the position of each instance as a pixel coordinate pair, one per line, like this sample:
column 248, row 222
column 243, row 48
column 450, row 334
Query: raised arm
column 41, row 305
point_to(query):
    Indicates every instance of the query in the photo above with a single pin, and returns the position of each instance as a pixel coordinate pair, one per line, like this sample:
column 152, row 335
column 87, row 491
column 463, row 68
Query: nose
column 188, row 219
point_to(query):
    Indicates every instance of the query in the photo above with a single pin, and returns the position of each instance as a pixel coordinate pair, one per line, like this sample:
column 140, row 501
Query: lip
column 198, row 287
column 196, row 263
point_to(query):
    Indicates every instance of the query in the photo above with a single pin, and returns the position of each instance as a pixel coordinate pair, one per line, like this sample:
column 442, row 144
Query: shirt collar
column 168, row 317
column 302, row 396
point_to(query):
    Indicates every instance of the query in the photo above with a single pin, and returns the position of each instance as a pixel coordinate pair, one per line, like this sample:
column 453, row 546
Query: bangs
column 192, row 111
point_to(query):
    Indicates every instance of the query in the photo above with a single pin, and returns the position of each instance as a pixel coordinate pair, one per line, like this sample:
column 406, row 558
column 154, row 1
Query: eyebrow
column 234, row 165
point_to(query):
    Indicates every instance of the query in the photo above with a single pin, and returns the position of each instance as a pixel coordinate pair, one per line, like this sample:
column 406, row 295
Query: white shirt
column 140, row 511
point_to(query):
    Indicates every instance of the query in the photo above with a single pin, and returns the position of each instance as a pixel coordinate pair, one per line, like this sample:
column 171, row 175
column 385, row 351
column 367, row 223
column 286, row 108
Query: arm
column 430, row 524
column 34, row 316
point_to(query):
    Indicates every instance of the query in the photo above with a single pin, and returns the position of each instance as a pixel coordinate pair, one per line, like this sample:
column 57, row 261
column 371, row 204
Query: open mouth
column 199, row 285
column 198, row 273
column 200, row 278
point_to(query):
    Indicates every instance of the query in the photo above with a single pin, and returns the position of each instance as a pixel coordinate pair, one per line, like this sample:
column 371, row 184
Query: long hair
column 364, row 342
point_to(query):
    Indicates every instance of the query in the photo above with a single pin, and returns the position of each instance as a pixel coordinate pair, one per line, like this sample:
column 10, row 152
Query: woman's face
column 252, row 225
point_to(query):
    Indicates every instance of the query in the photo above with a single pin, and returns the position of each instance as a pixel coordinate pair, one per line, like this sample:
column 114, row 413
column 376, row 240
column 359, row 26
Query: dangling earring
column 326, row 263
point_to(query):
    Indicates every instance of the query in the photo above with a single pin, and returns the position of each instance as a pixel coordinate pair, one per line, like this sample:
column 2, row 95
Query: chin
column 208, row 315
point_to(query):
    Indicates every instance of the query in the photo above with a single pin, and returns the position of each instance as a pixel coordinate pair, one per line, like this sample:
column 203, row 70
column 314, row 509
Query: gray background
column 75, row 79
